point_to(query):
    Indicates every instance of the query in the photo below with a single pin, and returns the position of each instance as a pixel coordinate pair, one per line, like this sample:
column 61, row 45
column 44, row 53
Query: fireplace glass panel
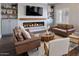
column 33, row 24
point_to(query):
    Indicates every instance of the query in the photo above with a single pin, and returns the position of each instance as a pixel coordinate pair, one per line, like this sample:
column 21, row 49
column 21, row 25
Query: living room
column 41, row 24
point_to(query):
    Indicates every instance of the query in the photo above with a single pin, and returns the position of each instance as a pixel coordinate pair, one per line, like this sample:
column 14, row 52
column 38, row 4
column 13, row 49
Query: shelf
column 9, row 8
column 32, row 18
column 9, row 11
column 9, row 14
column 9, row 18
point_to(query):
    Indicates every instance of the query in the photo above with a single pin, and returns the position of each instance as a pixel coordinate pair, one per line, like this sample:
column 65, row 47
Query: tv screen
column 34, row 11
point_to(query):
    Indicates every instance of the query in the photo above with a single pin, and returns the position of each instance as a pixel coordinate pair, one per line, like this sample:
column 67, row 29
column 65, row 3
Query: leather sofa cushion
column 25, row 33
column 63, row 30
column 64, row 26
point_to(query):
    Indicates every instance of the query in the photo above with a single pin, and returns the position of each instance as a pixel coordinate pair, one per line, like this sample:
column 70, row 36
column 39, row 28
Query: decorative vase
column 47, row 32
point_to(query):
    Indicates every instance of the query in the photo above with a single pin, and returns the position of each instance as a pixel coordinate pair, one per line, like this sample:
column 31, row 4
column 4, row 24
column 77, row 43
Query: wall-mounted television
column 34, row 11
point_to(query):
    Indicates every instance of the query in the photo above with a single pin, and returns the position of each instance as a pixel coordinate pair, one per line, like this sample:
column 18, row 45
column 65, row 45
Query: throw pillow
column 25, row 33
column 18, row 34
column 29, row 32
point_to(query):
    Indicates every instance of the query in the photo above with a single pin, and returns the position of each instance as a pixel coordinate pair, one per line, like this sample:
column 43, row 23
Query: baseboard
column 7, row 35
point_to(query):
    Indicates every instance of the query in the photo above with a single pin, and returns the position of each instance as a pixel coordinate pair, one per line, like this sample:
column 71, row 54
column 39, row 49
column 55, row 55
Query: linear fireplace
column 33, row 24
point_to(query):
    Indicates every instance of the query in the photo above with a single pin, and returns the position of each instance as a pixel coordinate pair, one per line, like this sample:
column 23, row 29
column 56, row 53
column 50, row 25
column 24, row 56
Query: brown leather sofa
column 26, row 44
column 63, row 29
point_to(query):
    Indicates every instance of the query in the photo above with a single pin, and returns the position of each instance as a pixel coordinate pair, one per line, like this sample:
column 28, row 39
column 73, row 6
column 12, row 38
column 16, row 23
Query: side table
column 74, row 38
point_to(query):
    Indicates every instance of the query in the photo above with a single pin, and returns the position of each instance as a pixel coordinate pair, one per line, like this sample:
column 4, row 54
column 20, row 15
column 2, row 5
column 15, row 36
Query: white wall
column 22, row 10
column 73, row 12
column 22, row 13
column 0, row 20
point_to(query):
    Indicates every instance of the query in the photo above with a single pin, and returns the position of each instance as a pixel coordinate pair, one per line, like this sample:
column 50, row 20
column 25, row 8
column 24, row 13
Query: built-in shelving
column 9, row 11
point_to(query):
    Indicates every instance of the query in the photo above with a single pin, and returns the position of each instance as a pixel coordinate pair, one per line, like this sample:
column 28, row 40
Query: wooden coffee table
column 47, row 37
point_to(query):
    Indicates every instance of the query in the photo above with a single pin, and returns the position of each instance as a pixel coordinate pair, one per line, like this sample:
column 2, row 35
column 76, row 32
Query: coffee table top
column 44, row 34
column 47, row 35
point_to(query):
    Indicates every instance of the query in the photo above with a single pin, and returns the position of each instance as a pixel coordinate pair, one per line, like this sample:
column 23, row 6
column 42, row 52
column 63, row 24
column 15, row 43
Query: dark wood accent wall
column 32, row 18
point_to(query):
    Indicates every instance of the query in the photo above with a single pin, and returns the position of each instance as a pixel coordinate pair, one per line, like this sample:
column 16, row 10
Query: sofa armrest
column 27, row 41
column 27, row 45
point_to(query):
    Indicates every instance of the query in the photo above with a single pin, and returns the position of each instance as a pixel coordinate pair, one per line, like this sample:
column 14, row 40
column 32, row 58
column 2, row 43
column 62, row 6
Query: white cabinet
column 8, row 25
column 13, row 23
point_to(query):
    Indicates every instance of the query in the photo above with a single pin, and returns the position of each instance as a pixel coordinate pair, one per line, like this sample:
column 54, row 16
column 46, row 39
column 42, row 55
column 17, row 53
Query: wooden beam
column 32, row 18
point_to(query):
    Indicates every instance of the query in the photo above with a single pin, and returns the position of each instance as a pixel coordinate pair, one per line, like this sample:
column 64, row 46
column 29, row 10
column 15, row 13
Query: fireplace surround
column 34, row 26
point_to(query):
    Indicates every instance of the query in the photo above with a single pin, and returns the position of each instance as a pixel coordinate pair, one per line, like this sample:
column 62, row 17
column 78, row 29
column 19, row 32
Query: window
column 62, row 16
